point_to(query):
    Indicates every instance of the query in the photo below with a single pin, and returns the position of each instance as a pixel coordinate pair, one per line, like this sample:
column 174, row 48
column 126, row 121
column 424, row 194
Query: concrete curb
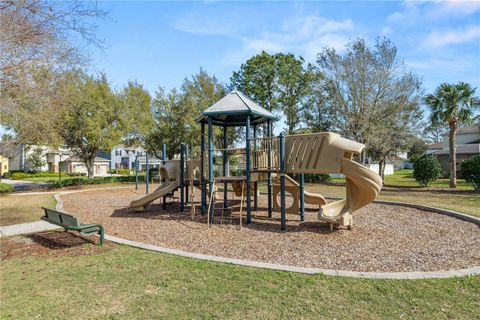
column 279, row 267
column 328, row 272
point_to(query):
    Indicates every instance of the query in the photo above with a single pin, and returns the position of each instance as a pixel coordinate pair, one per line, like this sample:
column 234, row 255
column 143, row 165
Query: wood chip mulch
column 385, row 238
column 57, row 243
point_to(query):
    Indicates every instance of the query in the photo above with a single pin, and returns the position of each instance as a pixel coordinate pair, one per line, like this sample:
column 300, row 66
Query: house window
column 118, row 152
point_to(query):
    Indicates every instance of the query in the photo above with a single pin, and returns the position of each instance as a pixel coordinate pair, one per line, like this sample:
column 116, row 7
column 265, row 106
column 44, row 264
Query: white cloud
column 438, row 39
column 433, row 10
column 305, row 34
column 456, row 8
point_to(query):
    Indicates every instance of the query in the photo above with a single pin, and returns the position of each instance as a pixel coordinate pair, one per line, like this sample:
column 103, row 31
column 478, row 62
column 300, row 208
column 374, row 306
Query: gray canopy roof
column 232, row 111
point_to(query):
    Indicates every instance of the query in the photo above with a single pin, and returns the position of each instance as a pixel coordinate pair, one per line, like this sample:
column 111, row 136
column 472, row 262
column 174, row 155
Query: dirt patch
column 385, row 238
column 51, row 243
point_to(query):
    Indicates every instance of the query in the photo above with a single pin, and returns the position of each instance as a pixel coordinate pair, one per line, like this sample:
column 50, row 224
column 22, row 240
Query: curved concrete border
column 280, row 267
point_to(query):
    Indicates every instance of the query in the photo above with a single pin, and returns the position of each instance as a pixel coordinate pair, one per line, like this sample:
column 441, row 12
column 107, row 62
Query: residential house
column 434, row 147
column 468, row 144
column 122, row 157
column 73, row 164
column 19, row 153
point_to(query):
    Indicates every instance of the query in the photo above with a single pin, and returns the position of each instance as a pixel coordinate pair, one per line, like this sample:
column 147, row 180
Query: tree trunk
column 453, row 153
column 89, row 165
column 381, row 169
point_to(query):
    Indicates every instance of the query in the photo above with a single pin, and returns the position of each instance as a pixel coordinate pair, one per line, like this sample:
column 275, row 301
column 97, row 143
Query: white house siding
column 122, row 157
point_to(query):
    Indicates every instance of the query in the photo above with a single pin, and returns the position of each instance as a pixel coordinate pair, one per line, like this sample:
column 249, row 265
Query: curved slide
column 325, row 153
column 169, row 173
column 363, row 186
column 164, row 189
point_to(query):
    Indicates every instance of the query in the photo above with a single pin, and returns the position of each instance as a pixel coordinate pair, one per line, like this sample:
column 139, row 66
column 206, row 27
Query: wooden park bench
column 69, row 222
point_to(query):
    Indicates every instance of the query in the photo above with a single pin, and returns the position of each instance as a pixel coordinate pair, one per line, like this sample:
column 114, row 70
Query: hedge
column 4, row 187
column 25, row 175
column 99, row 180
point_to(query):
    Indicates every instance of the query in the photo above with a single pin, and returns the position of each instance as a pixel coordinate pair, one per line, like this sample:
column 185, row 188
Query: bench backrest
column 61, row 217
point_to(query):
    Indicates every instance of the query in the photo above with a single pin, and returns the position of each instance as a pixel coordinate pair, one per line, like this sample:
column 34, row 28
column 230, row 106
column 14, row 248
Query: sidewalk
column 21, row 185
column 25, row 228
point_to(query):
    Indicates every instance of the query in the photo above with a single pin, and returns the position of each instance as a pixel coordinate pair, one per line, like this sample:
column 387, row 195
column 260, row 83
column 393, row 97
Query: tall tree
column 94, row 119
column 257, row 78
column 317, row 112
column 39, row 41
column 175, row 113
column 293, row 87
column 453, row 104
column 369, row 88
column 171, row 123
column 138, row 104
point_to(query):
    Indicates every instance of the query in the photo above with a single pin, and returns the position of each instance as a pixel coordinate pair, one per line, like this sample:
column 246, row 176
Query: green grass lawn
column 405, row 178
column 16, row 209
column 128, row 283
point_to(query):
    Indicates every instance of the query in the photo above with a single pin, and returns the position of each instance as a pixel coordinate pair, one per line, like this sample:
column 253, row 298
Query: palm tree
column 452, row 104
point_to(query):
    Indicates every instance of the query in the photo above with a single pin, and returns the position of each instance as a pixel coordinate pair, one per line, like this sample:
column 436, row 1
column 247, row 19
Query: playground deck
column 385, row 238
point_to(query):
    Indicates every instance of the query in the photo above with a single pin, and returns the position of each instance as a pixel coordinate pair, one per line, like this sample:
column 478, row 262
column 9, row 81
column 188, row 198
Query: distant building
column 73, row 164
column 15, row 156
column 19, row 153
column 124, row 158
column 468, row 144
column 434, row 147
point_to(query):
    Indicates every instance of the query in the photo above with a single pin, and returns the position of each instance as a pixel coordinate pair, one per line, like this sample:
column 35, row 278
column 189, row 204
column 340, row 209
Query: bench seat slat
column 69, row 222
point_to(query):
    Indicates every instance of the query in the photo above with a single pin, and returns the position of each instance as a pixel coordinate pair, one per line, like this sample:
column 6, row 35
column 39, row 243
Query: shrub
column 470, row 171
column 426, row 169
column 124, row 172
column 4, row 187
column 23, row 175
column 153, row 172
column 7, row 175
column 76, row 174
column 76, row 181
column 315, row 178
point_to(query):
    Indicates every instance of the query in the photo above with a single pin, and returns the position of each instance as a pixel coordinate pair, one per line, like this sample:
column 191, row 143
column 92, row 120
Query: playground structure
column 269, row 158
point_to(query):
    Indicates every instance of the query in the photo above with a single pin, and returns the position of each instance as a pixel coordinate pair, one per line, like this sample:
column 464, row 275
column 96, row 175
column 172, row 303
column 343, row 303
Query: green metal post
column 283, row 225
column 202, row 173
column 269, row 182
column 182, row 177
column 188, row 177
column 255, row 184
column 210, row 165
column 302, row 197
column 225, row 163
column 146, row 174
column 136, row 173
column 247, row 171
column 164, row 158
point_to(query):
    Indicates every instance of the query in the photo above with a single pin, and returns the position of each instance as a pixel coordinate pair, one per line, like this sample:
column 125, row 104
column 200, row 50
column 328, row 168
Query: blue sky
column 161, row 43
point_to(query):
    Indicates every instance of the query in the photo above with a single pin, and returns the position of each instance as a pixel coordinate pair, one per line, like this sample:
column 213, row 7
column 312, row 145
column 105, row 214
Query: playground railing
column 264, row 153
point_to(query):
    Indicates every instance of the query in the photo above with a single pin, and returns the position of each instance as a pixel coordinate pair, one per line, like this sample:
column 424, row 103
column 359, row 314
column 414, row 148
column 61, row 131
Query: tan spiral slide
column 329, row 153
